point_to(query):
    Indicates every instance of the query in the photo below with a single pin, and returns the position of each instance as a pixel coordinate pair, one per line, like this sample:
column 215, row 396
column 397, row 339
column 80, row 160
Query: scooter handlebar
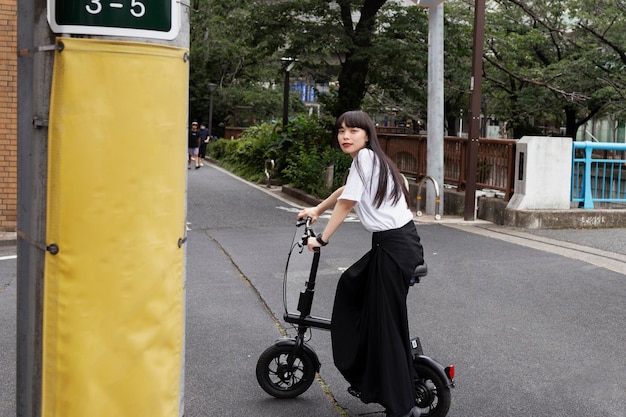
column 308, row 230
column 302, row 221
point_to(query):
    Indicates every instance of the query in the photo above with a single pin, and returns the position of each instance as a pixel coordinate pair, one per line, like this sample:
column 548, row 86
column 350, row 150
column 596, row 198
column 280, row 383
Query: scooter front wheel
column 432, row 395
column 279, row 378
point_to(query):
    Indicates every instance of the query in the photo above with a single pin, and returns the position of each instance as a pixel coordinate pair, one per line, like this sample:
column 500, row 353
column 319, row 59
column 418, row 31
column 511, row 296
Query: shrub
column 217, row 148
column 245, row 156
column 302, row 153
column 307, row 171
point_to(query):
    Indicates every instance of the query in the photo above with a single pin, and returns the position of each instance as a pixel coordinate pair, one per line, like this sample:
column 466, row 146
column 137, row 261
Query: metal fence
column 496, row 160
column 598, row 168
column 598, row 173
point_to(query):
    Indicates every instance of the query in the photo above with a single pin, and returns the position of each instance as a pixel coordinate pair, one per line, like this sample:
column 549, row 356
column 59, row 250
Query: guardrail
column 598, row 173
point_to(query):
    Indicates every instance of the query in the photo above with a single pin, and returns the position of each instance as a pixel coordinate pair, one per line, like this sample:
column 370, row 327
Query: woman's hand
column 309, row 212
column 312, row 243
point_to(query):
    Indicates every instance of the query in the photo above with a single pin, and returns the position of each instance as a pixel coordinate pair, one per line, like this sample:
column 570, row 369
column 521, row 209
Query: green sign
column 137, row 18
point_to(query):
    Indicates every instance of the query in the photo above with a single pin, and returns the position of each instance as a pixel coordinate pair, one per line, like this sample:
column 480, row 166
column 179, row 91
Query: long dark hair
column 360, row 119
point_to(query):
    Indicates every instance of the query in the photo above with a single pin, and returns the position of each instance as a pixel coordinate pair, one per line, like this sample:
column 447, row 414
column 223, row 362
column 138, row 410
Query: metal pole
column 35, row 71
column 435, row 109
column 286, row 99
column 474, row 111
column 211, row 90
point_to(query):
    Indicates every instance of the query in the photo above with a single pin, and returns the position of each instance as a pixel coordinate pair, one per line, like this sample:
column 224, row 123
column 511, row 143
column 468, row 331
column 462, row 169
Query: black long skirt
column 370, row 331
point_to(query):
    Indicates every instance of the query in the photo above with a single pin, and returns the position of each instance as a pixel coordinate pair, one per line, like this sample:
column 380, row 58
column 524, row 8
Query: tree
column 458, row 27
column 221, row 54
column 604, row 28
column 319, row 32
column 553, row 60
column 399, row 63
column 557, row 62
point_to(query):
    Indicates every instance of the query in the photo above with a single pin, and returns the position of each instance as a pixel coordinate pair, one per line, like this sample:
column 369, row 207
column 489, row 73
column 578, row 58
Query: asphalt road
column 7, row 335
column 532, row 321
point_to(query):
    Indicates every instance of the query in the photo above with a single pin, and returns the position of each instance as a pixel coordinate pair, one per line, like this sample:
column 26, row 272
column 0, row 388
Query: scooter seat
column 420, row 271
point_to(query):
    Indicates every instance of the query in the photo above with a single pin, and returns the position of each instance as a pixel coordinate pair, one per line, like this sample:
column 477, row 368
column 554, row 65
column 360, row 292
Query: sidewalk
column 493, row 210
column 8, row 238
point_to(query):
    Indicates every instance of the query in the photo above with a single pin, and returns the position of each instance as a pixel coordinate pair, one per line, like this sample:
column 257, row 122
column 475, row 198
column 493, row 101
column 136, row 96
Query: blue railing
column 598, row 177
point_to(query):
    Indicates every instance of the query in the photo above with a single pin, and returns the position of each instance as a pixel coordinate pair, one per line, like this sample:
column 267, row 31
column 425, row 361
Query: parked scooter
column 288, row 367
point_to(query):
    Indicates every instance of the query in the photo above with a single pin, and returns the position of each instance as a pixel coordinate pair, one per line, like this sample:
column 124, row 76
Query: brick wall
column 8, row 115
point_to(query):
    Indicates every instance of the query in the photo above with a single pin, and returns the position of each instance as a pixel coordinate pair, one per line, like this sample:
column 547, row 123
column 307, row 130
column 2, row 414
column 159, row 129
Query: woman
column 370, row 335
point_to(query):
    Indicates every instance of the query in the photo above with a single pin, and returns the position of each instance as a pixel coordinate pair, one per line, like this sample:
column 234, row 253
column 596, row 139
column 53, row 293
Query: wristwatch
column 320, row 241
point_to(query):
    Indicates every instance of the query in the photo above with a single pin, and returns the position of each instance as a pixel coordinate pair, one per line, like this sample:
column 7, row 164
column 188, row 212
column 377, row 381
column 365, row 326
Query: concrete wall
column 494, row 210
column 543, row 169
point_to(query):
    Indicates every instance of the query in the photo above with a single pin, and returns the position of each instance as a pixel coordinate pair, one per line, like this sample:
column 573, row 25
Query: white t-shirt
column 388, row 216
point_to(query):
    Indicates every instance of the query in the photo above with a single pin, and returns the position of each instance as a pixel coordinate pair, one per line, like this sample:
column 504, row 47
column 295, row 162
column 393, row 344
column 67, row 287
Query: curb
column 300, row 195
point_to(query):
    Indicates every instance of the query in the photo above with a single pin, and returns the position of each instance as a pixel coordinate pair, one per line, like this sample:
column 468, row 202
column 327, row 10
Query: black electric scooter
column 288, row 367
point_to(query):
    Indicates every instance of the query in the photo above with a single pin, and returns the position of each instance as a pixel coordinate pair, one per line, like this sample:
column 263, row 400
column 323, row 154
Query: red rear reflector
column 450, row 372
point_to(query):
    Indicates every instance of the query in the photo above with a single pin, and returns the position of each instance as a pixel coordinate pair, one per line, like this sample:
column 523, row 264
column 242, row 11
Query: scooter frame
column 288, row 367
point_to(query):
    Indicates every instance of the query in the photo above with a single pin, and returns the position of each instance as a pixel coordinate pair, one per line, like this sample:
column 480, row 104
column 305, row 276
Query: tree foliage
column 222, row 53
column 376, row 50
column 546, row 62
column 554, row 60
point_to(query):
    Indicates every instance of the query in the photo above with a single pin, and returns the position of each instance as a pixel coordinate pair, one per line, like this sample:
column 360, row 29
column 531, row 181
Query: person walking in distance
column 369, row 323
column 204, row 140
column 193, row 146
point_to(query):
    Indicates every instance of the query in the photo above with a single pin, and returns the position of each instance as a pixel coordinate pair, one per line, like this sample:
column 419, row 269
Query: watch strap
column 320, row 241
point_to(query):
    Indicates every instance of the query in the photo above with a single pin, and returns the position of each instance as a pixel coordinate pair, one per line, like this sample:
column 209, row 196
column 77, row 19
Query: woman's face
column 351, row 139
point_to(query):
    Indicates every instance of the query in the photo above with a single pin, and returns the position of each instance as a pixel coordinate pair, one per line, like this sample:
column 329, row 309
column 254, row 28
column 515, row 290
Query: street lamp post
column 288, row 64
column 212, row 88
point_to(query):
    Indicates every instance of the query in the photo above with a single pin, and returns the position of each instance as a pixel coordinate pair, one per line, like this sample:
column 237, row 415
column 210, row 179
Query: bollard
column 269, row 173
column 330, row 174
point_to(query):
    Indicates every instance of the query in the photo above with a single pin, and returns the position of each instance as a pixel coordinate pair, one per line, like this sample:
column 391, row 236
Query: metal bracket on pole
column 419, row 196
column 39, row 123
column 47, row 48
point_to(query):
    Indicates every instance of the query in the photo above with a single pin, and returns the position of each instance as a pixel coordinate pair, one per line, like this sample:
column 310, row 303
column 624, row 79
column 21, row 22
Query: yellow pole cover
column 114, row 292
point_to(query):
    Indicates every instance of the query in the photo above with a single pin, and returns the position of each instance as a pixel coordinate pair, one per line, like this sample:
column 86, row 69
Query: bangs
column 354, row 118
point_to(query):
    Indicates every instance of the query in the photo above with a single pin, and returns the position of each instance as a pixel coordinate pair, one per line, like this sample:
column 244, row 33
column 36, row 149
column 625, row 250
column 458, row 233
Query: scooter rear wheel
column 432, row 395
column 278, row 378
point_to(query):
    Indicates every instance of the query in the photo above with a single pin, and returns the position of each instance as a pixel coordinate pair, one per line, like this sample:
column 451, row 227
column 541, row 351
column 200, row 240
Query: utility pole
column 475, row 110
column 434, row 151
column 35, row 59
column 435, row 108
column 212, row 87
column 50, row 252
